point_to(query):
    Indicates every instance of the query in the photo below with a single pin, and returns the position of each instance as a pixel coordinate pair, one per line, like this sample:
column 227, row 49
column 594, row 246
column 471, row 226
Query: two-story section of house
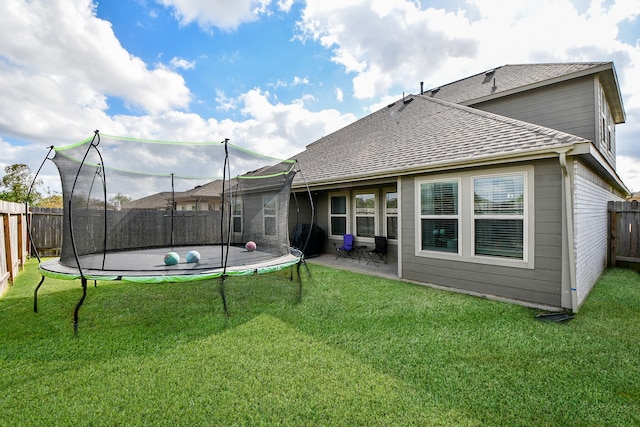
column 582, row 99
column 496, row 184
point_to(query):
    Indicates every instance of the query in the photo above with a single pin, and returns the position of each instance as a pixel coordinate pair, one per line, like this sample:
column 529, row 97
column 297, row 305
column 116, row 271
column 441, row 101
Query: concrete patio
column 363, row 265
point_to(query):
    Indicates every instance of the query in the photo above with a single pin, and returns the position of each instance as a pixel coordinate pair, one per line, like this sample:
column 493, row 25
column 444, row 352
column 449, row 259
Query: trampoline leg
column 306, row 266
column 299, row 282
column 302, row 262
column 35, row 296
column 75, row 313
column 224, row 297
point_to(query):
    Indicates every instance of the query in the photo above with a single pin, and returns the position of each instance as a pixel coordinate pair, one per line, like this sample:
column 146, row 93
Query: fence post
column 634, row 229
column 6, row 222
column 613, row 227
column 22, row 252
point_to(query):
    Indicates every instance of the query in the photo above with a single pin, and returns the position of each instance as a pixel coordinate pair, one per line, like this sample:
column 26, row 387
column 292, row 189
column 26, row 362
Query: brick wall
column 591, row 195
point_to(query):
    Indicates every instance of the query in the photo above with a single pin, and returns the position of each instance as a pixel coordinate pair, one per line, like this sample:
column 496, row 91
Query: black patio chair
column 379, row 253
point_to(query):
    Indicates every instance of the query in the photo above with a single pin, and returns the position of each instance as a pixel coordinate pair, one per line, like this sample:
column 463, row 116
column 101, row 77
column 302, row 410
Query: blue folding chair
column 347, row 246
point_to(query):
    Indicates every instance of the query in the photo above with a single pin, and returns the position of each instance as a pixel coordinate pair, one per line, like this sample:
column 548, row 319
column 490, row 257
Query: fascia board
column 490, row 160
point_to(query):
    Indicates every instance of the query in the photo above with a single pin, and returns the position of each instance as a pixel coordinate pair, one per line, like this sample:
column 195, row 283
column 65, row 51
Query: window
column 338, row 215
column 365, row 214
column 498, row 215
column 484, row 219
column 269, row 215
column 607, row 124
column 237, row 215
column 439, row 218
column 391, row 214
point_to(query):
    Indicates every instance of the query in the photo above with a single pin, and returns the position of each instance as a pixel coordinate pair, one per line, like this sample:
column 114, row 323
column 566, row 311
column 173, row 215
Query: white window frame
column 395, row 215
column 606, row 125
column 374, row 215
column 265, row 200
column 237, row 202
column 419, row 217
column 345, row 215
column 522, row 217
column 466, row 226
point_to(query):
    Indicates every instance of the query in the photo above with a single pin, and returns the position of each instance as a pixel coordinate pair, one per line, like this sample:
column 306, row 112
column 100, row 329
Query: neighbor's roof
column 209, row 191
column 422, row 134
column 155, row 201
column 509, row 79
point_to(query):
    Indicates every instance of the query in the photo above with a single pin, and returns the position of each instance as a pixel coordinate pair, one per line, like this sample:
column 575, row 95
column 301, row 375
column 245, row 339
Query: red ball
column 250, row 246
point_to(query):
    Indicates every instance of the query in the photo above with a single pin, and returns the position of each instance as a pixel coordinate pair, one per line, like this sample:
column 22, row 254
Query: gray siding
column 539, row 285
column 569, row 107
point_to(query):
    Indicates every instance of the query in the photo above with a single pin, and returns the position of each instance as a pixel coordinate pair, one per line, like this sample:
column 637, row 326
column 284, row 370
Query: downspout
column 568, row 208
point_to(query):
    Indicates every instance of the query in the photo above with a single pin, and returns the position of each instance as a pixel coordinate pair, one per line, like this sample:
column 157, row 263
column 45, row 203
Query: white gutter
column 435, row 167
column 568, row 200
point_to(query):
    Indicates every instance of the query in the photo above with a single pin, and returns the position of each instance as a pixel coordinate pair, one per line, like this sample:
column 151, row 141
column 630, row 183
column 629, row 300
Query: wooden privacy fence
column 13, row 242
column 624, row 234
column 46, row 231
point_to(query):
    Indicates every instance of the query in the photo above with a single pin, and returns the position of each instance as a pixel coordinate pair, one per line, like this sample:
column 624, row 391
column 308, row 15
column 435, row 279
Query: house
column 496, row 184
column 200, row 198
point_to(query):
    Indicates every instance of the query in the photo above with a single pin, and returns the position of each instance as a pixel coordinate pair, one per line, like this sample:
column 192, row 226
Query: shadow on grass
column 120, row 317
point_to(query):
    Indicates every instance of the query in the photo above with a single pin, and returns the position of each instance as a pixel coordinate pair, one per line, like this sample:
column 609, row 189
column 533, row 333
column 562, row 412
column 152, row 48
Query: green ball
column 171, row 258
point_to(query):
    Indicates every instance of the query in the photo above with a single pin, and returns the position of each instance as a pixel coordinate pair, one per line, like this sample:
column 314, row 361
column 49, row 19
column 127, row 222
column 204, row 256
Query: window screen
column 391, row 214
column 439, row 216
column 365, row 214
column 499, row 204
column 338, row 215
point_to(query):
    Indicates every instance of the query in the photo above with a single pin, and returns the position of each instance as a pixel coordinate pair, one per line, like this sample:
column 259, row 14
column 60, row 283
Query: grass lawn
column 357, row 350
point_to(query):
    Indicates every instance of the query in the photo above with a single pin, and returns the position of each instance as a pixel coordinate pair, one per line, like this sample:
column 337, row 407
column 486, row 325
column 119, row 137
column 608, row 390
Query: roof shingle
column 424, row 133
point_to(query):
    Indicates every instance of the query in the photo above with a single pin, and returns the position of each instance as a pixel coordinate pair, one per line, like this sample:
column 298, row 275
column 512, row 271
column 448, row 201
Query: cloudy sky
column 275, row 75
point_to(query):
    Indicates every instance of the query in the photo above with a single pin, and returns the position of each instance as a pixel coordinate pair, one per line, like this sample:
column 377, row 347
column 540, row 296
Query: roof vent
column 434, row 91
column 490, row 73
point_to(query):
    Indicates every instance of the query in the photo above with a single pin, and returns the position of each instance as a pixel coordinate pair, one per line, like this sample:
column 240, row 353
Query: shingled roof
column 420, row 133
column 509, row 79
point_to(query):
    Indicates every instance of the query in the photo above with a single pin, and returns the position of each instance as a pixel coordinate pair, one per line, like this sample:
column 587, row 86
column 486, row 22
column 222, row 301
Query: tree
column 51, row 201
column 17, row 182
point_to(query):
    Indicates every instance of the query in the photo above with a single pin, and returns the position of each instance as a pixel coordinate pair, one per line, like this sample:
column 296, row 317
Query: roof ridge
column 592, row 64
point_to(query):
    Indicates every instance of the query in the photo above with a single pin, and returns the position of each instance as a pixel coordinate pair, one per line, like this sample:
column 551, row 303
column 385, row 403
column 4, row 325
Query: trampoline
column 129, row 202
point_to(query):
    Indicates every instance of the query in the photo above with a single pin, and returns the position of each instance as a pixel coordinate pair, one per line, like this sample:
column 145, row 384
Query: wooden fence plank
column 8, row 249
column 12, row 242
column 624, row 233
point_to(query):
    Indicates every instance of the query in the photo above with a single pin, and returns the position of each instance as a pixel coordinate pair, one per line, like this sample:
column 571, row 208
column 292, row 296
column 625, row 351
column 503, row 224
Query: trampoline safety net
column 128, row 202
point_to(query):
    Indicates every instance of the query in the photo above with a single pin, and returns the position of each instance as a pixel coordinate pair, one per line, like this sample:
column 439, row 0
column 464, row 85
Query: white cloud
column 182, row 63
column 272, row 128
column 385, row 43
column 339, row 95
column 629, row 168
column 300, row 81
column 58, row 74
column 223, row 14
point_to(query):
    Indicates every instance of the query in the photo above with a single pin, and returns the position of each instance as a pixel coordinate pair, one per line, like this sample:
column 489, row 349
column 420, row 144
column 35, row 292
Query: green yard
column 358, row 350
